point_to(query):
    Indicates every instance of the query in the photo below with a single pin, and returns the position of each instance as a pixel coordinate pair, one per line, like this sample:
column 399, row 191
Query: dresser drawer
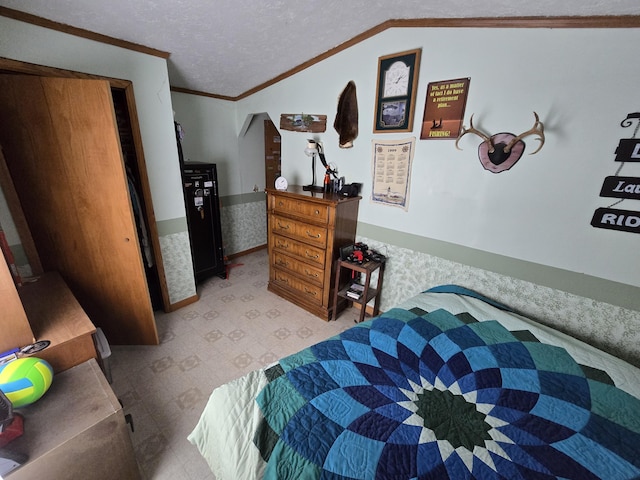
column 308, row 292
column 304, row 270
column 311, row 234
column 305, row 210
column 301, row 250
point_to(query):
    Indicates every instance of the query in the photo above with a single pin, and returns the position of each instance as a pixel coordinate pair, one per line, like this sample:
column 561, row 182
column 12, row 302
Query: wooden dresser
column 306, row 231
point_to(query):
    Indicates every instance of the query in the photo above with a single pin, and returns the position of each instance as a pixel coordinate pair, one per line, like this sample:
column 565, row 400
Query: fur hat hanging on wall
column 346, row 122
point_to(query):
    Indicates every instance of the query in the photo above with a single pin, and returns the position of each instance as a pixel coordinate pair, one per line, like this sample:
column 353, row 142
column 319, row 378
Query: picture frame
column 396, row 87
column 444, row 109
column 303, row 122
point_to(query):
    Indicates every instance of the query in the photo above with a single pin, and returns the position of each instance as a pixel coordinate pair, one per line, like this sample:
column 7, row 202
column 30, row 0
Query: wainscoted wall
column 611, row 328
column 244, row 222
column 244, row 227
column 176, row 255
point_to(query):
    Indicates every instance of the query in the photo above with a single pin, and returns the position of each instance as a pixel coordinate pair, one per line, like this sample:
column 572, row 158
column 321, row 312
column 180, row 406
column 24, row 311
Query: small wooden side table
column 369, row 293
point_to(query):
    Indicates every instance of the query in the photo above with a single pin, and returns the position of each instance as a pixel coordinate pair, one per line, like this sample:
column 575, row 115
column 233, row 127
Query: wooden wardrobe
column 61, row 146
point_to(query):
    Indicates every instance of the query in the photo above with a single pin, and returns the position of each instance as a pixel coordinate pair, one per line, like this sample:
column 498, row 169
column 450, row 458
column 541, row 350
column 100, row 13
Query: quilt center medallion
column 452, row 418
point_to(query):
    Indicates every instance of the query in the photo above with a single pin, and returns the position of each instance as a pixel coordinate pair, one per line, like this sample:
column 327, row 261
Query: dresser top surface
column 298, row 191
column 78, row 399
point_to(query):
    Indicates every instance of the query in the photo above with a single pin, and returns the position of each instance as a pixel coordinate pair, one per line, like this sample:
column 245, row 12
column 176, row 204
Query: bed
column 449, row 384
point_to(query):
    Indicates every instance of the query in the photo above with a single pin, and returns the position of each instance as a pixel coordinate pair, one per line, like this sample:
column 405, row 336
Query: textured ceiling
column 227, row 47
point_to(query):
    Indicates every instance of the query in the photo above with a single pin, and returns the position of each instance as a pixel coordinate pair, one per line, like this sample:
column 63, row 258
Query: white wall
column 582, row 83
column 210, row 136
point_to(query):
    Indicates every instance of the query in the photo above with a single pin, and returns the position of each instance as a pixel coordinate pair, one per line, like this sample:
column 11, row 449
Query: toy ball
column 25, row 380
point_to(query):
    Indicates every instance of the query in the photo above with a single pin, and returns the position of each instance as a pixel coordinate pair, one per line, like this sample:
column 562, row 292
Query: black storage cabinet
column 202, row 202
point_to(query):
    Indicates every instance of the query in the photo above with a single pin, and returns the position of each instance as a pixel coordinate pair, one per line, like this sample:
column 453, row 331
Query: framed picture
column 397, row 83
column 444, row 109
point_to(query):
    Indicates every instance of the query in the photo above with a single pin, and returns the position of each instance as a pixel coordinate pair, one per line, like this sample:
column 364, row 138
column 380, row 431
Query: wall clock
column 397, row 83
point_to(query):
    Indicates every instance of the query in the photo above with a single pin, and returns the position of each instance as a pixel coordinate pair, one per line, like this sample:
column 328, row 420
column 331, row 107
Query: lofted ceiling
column 229, row 47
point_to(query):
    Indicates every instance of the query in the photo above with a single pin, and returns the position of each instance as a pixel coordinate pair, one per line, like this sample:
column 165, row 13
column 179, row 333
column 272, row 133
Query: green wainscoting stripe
column 171, row 226
column 615, row 293
column 242, row 198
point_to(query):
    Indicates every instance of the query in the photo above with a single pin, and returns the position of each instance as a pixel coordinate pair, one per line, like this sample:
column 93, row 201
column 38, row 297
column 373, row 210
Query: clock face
column 396, row 80
column 281, row 183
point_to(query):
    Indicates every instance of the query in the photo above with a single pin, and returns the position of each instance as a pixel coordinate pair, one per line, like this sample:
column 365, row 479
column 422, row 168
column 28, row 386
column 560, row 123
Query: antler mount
column 501, row 151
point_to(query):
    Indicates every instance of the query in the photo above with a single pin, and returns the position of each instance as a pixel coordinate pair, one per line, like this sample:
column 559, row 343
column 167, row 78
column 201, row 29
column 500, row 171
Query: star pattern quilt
column 422, row 393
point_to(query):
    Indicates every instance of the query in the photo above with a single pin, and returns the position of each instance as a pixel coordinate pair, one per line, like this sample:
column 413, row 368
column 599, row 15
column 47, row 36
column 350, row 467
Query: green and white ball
column 25, row 380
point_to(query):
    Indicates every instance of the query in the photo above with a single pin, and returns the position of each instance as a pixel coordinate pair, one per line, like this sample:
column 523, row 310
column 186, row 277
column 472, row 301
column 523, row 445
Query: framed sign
column 397, row 83
column 444, row 109
column 303, row 122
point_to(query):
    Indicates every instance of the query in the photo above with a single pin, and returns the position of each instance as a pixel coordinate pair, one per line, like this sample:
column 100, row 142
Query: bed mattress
column 447, row 385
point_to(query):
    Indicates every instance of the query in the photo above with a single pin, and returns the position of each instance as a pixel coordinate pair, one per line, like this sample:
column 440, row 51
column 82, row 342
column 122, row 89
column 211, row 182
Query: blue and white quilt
column 423, row 392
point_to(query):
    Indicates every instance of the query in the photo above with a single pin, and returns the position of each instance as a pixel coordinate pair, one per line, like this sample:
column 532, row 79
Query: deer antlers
column 472, row 129
column 537, row 129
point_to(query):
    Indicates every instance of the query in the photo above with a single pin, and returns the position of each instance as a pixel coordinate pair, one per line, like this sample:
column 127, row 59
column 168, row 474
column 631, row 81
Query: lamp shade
column 312, row 148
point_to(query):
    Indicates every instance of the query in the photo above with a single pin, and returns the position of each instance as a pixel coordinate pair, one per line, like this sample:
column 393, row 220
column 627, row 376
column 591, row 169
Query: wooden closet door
column 62, row 149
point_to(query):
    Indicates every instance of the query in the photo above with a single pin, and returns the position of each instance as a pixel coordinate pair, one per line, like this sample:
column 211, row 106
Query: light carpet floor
column 235, row 327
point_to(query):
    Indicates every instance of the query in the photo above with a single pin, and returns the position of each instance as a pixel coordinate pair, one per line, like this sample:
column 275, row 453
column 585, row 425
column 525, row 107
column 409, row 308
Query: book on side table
column 355, row 291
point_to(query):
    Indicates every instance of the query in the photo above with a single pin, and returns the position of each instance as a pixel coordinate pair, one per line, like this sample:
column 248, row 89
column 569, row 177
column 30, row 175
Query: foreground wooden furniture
column 55, row 315
column 306, row 231
column 45, row 309
column 76, row 431
column 15, row 325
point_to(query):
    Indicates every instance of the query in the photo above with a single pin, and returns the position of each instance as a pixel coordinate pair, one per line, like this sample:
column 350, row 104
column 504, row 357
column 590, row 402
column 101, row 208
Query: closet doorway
column 126, row 318
column 272, row 154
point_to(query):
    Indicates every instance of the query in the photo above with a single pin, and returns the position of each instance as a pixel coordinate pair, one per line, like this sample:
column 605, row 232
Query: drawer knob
column 311, row 235
column 283, row 245
column 317, row 212
column 310, row 292
column 310, row 274
column 310, row 255
column 283, row 227
column 282, row 263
